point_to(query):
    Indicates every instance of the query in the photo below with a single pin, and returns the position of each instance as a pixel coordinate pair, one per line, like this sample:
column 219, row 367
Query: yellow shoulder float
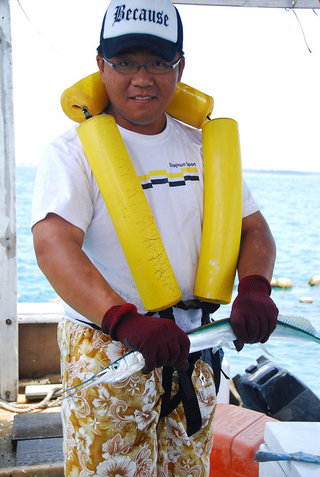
column 130, row 211
column 222, row 215
column 188, row 104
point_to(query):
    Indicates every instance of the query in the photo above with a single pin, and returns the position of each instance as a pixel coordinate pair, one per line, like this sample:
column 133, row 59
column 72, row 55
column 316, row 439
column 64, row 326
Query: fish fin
column 299, row 322
column 230, row 345
column 265, row 350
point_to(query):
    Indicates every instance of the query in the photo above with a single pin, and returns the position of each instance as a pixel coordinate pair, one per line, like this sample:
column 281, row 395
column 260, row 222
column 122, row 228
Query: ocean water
column 290, row 202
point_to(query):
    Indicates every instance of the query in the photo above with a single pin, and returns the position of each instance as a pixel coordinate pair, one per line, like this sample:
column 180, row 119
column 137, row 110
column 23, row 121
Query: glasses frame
column 138, row 66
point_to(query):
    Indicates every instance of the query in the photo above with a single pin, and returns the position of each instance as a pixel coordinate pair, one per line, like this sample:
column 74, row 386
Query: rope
column 25, row 408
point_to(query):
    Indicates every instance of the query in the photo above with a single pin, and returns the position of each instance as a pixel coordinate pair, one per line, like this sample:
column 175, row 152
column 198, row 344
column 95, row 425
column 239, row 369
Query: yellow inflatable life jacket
column 130, row 211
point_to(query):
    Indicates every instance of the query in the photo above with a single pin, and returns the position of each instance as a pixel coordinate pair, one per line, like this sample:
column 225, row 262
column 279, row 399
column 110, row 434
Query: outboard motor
column 267, row 387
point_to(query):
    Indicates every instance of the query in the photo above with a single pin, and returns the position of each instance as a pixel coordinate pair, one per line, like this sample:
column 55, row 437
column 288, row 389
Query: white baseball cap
column 151, row 24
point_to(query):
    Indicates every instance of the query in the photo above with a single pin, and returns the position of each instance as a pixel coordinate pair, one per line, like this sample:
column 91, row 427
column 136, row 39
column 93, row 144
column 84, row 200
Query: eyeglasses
column 156, row 67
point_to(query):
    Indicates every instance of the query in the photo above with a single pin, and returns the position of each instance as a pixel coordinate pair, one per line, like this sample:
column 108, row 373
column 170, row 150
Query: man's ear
column 100, row 64
column 181, row 68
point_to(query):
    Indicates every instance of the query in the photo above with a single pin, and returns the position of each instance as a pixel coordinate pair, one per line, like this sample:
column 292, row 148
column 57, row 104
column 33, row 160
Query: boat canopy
column 255, row 3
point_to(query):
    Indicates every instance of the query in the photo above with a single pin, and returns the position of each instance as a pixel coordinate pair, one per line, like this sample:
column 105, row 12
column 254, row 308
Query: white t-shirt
column 170, row 169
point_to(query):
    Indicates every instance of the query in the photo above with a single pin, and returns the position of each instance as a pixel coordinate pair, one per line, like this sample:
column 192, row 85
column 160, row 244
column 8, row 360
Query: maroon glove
column 160, row 340
column 253, row 315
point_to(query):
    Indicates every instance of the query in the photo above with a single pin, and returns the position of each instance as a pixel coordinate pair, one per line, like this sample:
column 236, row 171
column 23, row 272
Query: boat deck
column 31, row 442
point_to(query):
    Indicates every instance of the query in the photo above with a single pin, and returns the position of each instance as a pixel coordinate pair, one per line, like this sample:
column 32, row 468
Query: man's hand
column 160, row 340
column 254, row 315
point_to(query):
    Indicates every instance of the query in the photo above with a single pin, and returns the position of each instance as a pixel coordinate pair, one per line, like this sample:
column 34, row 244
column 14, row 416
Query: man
column 132, row 427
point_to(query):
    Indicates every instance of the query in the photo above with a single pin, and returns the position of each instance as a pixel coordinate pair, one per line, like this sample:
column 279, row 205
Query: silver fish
column 215, row 335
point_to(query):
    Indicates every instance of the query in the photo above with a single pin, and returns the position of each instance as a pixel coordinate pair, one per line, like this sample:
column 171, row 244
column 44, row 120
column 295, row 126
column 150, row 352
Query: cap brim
column 163, row 48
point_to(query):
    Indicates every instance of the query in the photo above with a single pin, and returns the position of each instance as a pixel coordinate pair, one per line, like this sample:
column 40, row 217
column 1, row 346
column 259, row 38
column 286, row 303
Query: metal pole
column 8, row 256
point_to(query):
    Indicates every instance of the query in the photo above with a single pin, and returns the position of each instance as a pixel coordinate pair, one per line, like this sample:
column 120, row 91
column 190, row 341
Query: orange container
column 238, row 433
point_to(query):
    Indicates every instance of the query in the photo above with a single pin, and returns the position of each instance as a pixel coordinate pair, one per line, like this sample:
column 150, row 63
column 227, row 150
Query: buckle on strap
column 196, row 304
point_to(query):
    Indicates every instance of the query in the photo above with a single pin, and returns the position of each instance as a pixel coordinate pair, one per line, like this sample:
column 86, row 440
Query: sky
column 255, row 62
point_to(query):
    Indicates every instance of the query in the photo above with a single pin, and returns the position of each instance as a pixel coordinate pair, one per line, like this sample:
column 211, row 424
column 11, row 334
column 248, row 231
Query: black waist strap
column 186, row 394
column 213, row 359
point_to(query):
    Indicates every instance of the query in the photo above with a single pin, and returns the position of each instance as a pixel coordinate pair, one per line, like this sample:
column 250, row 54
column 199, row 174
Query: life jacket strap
column 186, row 394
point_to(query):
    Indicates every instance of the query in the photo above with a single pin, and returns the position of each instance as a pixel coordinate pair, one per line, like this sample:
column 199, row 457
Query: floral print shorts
column 115, row 430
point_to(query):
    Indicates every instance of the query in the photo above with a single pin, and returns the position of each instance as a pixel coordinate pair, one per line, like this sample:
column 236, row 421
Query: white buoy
column 284, row 283
column 273, row 282
column 306, row 299
column 315, row 280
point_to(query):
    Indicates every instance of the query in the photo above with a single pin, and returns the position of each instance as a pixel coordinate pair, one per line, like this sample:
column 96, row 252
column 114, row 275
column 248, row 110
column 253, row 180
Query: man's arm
column 253, row 314
column 58, row 248
column 257, row 249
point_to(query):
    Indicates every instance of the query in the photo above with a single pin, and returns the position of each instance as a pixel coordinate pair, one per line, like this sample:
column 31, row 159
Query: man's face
column 138, row 101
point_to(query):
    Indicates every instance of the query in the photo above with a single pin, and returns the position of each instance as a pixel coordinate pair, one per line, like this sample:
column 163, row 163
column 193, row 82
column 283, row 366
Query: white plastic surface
column 287, row 437
column 270, row 469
